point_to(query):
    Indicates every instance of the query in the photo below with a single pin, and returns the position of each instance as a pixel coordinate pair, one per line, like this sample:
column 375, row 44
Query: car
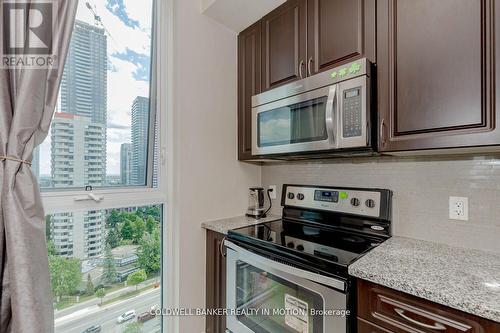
column 126, row 316
column 93, row 329
column 145, row 316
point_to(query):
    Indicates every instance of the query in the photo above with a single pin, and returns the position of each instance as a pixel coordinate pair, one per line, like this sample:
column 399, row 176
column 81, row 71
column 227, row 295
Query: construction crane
column 97, row 19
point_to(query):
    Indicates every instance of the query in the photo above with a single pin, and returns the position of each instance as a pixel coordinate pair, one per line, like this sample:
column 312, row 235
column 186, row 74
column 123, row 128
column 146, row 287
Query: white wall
column 209, row 181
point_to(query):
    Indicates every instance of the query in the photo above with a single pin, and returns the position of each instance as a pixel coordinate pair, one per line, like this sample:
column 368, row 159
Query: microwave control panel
column 352, row 113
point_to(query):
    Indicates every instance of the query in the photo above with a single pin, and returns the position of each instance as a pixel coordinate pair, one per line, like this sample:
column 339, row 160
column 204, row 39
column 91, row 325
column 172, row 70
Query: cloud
column 117, row 7
column 141, row 61
column 118, row 126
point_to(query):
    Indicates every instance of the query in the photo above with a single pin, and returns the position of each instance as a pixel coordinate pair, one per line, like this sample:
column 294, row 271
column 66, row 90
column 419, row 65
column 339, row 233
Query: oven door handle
column 272, row 266
column 331, row 115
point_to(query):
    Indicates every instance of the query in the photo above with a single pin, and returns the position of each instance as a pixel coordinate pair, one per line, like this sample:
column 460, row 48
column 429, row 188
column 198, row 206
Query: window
column 103, row 128
column 101, row 173
column 108, row 265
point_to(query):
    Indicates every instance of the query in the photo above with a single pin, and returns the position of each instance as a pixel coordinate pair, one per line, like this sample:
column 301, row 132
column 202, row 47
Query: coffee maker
column 256, row 203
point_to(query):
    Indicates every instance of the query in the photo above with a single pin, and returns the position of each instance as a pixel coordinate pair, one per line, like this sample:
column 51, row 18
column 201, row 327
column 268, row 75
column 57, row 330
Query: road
column 94, row 301
column 106, row 316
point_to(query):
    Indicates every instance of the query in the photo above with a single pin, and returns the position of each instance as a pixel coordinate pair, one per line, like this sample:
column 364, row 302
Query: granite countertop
column 463, row 279
column 223, row 225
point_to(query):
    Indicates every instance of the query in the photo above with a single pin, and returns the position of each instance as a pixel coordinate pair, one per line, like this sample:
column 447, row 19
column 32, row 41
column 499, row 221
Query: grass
column 127, row 295
column 67, row 301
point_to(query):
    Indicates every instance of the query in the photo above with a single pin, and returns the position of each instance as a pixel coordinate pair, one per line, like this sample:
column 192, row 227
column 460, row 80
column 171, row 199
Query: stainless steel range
column 290, row 275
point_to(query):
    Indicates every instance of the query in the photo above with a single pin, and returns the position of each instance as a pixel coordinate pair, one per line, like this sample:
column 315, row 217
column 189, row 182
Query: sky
column 129, row 24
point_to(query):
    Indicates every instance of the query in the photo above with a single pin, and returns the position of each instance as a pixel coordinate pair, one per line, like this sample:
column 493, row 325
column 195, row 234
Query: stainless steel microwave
column 325, row 113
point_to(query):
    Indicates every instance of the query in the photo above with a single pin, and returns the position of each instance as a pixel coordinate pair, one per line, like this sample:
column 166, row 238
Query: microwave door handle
column 331, row 115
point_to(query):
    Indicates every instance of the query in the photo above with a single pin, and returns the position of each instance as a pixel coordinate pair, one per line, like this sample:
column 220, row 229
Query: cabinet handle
column 309, row 62
column 382, row 132
column 300, row 68
column 221, row 247
column 436, row 326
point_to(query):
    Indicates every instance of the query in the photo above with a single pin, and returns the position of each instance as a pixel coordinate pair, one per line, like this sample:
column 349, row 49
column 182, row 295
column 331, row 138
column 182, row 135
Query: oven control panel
column 351, row 201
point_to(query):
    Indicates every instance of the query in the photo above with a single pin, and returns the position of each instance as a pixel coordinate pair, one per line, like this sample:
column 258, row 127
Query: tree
column 113, row 237
column 113, row 222
column 109, row 274
column 90, row 286
column 127, row 230
column 138, row 228
column 149, row 253
column 133, row 328
column 114, row 219
column 137, row 277
column 65, row 275
column 150, row 224
column 100, row 293
column 153, row 211
column 51, row 248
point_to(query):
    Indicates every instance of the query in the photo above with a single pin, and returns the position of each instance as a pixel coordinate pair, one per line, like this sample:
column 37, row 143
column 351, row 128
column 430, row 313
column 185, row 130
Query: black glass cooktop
column 317, row 247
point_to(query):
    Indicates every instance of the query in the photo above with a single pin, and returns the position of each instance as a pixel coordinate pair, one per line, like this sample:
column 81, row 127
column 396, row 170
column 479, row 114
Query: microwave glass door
column 272, row 304
column 296, row 123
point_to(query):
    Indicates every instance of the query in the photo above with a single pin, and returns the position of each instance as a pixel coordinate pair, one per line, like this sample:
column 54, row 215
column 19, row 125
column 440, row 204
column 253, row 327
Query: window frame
column 63, row 200
column 59, row 200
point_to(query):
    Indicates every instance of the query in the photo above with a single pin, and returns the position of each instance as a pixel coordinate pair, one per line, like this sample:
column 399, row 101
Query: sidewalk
column 96, row 301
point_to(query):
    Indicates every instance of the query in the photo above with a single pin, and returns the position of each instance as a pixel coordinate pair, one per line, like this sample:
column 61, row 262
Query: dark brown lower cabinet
column 215, row 281
column 381, row 309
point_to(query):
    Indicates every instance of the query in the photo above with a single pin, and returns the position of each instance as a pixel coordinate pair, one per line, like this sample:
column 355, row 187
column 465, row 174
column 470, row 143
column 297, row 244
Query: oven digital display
column 328, row 196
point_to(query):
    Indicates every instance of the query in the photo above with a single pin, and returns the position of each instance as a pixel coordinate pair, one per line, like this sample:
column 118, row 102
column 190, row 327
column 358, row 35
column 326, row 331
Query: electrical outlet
column 273, row 193
column 459, row 208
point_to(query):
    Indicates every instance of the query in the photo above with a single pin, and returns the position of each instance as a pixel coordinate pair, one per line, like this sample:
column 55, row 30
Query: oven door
column 266, row 296
column 301, row 123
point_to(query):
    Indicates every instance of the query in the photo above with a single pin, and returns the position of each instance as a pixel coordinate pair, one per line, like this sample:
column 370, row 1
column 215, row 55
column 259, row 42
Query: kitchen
column 235, row 166
column 421, row 75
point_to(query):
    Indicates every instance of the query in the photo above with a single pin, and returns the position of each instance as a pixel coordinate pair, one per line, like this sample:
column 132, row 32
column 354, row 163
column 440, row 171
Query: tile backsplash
column 422, row 187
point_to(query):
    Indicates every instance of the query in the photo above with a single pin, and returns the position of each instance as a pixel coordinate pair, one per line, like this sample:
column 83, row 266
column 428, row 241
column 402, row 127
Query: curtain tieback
column 10, row 158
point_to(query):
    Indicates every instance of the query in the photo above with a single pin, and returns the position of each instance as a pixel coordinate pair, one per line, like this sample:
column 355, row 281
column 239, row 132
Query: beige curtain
column 27, row 102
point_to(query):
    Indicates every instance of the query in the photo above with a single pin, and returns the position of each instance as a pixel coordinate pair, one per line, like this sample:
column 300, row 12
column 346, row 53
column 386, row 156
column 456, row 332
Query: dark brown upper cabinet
column 284, row 33
column 249, row 84
column 339, row 31
column 436, row 74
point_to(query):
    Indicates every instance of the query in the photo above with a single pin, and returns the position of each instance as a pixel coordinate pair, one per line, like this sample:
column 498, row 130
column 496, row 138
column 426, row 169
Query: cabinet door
column 215, row 282
column 381, row 309
column 249, row 84
column 436, row 74
column 284, row 44
column 340, row 31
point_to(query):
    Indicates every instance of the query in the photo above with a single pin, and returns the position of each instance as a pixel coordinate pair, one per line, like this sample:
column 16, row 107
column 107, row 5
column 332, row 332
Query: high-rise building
column 84, row 81
column 78, row 151
column 78, row 139
column 140, row 132
column 125, row 163
column 78, row 160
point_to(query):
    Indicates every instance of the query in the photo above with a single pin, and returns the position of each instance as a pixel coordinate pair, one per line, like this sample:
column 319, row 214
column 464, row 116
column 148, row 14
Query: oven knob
column 300, row 247
column 291, row 195
column 370, row 203
column 290, row 245
column 300, row 196
column 355, row 202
